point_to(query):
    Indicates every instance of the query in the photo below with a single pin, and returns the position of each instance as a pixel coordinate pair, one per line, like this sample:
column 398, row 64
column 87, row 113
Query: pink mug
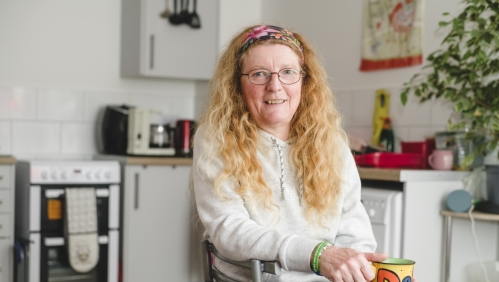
column 441, row 159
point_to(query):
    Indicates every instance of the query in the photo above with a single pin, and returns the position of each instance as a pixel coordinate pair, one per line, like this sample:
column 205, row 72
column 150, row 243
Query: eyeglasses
column 286, row 76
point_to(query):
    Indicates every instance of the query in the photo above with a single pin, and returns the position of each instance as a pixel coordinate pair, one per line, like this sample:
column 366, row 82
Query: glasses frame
column 302, row 74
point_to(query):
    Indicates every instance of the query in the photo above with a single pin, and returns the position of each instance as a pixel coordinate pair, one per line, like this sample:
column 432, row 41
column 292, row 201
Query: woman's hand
column 349, row 265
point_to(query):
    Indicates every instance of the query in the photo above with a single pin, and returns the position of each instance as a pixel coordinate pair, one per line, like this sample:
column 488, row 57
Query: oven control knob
column 107, row 174
column 97, row 174
column 44, row 175
column 89, row 175
column 53, row 175
column 64, row 175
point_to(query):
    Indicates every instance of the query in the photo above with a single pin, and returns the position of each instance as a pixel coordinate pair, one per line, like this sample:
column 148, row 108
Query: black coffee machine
column 112, row 130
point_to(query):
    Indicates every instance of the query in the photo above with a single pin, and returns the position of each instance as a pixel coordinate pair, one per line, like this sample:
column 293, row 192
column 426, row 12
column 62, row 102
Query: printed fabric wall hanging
column 392, row 34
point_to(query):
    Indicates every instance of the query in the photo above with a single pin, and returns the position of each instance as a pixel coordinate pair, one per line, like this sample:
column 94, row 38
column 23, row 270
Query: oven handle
column 59, row 241
column 56, row 193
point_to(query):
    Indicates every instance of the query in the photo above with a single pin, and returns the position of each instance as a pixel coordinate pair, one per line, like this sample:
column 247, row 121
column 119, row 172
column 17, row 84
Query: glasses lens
column 259, row 76
column 286, row 76
column 289, row 76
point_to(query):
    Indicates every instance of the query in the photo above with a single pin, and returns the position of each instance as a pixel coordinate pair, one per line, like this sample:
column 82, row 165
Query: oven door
column 48, row 260
column 52, row 205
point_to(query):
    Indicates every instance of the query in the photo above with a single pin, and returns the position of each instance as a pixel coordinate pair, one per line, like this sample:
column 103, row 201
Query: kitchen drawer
column 6, row 252
column 5, row 175
column 5, row 201
column 5, row 228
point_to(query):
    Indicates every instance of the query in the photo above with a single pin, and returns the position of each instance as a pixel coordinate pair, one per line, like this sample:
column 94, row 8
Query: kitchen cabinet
column 160, row 241
column 424, row 193
column 7, row 179
column 152, row 47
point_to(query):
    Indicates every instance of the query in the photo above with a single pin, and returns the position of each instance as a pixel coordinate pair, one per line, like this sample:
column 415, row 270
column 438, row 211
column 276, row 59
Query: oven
column 44, row 250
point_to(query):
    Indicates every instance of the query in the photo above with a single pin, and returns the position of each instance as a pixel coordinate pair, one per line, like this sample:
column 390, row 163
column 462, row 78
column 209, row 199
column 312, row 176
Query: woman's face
column 271, row 105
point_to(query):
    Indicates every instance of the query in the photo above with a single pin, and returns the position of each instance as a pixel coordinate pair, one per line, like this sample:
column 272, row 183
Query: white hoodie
column 242, row 230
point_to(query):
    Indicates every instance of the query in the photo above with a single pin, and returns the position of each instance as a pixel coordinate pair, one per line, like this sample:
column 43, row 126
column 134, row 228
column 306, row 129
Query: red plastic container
column 423, row 148
column 389, row 160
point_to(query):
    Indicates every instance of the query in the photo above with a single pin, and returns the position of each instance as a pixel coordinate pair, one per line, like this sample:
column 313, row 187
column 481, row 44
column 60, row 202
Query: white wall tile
column 441, row 111
column 58, row 157
column 413, row 113
column 173, row 107
column 401, row 133
column 201, row 98
column 183, row 108
column 363, row 107
column 361, row 132
column 24, row 156
column 344, row 101
column 60, row 105
column 5, row 138
column 17, row 103
column 78, row 138
column 421, row 133
column 36, row 137
column 152, row 101
column 95, row 101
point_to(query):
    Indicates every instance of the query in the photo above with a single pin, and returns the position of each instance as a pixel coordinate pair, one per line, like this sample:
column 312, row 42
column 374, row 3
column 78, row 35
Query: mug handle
column 430, row 160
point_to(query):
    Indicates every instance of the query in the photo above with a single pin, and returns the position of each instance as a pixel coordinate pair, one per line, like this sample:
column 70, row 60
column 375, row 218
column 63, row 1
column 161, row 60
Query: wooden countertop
column 402, row 175
column 145, row 160
column 7, row 160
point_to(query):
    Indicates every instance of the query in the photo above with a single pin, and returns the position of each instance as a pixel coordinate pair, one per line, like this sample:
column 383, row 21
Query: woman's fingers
column 344, row 264
column 376, row 256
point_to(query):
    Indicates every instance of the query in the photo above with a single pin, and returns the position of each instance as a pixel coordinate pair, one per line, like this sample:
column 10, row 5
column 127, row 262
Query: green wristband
column 317, row 253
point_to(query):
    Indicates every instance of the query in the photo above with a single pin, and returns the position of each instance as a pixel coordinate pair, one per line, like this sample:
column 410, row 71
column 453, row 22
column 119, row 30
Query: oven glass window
column 59, row 269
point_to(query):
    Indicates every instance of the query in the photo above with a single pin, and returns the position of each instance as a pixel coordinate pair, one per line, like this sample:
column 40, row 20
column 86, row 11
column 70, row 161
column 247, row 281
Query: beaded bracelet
column 317, row 254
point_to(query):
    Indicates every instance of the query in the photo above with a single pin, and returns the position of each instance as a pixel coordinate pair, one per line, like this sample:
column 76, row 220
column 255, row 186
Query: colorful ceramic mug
column 393, row 270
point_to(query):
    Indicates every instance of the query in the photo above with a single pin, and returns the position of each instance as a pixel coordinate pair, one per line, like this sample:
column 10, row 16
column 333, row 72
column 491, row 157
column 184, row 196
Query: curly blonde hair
column 319, row 140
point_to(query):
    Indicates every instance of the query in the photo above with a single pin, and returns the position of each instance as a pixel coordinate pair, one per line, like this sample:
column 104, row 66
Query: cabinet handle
column 1, row 177
column 136, row 191
column 151, row 52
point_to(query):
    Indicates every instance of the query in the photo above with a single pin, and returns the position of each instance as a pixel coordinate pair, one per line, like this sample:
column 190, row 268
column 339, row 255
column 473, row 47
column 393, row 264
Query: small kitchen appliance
column 184, row 136
column 67, row 221
column 112, row 130
column 148, row 134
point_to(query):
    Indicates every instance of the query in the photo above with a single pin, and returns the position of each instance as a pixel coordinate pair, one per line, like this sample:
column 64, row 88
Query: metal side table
column 448, row 216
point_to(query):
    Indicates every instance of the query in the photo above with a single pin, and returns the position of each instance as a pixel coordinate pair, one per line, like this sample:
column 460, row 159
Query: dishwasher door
column 384, row 208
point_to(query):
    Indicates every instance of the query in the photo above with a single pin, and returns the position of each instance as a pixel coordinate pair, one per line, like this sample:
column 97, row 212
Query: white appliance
column 41, row 242
column 142, row 140
column 384, row 208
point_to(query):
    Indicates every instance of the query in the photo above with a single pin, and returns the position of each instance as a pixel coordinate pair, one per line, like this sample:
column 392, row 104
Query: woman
column 273, row 176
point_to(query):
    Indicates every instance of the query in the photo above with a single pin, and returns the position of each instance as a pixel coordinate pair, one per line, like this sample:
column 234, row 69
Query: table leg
column 446, row 248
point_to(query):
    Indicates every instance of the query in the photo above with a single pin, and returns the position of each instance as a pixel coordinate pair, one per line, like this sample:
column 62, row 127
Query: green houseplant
column 465, row 71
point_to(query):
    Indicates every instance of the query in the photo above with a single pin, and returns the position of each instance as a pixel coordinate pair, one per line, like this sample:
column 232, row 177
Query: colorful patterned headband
column 264, row 32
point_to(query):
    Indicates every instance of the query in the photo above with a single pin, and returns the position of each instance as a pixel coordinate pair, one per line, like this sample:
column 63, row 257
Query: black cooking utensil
column 195, row 20
column 185, row 17
column 175, row 18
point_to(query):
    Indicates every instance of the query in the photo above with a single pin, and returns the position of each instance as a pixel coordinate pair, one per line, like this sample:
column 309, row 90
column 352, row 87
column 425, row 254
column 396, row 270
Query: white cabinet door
column 153, row 47
column 160, row 241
